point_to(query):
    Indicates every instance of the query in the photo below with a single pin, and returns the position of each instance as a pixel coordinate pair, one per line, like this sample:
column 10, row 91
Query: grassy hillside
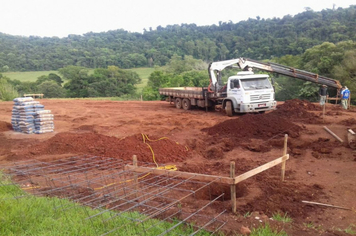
column 28, row 75
column 32, row 76
column 144, row 73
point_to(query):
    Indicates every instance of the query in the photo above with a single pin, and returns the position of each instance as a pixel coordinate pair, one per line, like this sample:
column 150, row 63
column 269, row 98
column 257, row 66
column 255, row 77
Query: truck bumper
column 256, row 107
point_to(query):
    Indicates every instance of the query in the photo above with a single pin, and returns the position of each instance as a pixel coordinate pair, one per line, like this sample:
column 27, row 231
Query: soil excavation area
column 320, row 169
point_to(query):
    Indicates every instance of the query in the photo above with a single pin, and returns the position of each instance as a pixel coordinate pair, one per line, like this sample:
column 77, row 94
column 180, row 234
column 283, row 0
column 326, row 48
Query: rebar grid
column 104, row 184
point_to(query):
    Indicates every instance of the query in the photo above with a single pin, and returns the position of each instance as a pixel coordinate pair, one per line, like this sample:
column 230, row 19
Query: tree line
column 103, row 82
column 337, row 61
column 254, row 38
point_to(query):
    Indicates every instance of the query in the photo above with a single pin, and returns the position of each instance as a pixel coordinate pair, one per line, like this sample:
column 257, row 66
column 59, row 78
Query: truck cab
column 249, row 92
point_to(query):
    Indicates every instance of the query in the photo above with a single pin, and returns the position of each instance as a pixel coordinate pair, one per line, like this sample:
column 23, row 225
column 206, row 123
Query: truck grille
column 257, row 97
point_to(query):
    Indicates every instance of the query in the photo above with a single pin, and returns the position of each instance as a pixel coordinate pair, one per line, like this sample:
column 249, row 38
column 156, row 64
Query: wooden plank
column 233, row 187
column 335, row 136
column 180, row 174
column 283, row 169
column 327, row 205
column 261, row 168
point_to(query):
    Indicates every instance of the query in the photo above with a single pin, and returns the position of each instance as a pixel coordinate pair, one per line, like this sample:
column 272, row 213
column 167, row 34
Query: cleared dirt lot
column 320, row 168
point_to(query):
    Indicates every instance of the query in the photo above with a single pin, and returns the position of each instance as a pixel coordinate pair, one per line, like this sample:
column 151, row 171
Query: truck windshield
column 257, row 83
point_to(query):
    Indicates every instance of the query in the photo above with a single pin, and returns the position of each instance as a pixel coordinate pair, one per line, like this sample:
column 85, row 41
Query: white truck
column 242, row 93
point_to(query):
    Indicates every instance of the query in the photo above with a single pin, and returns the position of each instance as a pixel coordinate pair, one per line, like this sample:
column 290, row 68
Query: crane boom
column 245, row 64
column 290, row 71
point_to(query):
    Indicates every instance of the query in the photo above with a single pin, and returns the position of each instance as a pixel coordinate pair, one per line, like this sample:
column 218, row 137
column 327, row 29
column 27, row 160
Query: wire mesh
column 113, row 191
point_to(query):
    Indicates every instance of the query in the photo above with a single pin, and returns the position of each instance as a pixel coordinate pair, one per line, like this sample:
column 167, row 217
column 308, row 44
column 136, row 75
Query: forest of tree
column 255, row 38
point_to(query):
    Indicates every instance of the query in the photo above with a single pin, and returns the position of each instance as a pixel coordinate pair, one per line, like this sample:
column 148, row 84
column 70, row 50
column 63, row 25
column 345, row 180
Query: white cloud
column 60, row 18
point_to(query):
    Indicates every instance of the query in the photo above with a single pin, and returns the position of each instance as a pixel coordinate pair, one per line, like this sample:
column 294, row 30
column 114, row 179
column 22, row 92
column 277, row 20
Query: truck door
column 235, row 90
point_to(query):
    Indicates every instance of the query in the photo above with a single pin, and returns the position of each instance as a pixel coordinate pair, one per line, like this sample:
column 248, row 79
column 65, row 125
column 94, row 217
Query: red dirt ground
column 320, row 168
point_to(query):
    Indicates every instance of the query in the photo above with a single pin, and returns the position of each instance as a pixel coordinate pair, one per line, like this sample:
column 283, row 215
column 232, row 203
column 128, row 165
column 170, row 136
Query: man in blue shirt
column 345, row 94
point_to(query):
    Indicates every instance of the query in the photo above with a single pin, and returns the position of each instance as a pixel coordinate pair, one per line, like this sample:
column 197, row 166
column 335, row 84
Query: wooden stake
column 335, row 136
column 324, row 112
column 233, row 187
column 283, row 170
column 134, row 158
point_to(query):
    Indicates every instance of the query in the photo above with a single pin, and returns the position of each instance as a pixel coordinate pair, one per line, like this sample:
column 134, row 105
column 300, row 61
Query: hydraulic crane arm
column 290, row 71
column 217, row 67
column 245, row 64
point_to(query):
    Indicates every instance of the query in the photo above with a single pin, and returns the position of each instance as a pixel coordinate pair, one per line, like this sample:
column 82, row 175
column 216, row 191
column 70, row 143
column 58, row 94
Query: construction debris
column 351, row 139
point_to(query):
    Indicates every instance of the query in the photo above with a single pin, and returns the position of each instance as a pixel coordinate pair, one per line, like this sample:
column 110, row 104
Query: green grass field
column 144, row 73
column 32, row 76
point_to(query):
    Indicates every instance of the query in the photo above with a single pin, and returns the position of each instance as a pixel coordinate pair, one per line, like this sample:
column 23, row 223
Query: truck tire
column 178, row 103
column 228, row 108
column 186, row 104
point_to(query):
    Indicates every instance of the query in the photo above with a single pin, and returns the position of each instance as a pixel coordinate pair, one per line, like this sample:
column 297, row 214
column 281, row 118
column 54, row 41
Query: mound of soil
column 298, row 110
column 256, row 126
column 164, row 150
column 285, row 197
column 291, row 105
column 348, row 122
column 5, row 126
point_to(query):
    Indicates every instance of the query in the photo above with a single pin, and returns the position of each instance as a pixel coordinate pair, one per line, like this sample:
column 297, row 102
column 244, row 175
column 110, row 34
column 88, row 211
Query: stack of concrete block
column 44, row 122
column 28, row 115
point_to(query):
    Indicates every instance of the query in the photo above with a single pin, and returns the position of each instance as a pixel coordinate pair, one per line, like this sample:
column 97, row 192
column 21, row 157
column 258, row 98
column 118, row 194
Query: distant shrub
column 7, row 91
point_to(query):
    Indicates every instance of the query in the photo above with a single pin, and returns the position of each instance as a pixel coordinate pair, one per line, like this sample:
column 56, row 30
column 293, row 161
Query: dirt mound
column 293, row 104
column 285, row 197
column 165, row 150
column 348, row 122
column 257, row 126
column 5, row 126
column 298, row 110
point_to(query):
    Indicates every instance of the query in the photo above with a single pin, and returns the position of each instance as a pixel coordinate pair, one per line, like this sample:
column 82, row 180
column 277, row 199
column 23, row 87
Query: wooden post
column 283, row 170
column 134, row 158
column 233, row 187
column 206, row 101
column 324, row 113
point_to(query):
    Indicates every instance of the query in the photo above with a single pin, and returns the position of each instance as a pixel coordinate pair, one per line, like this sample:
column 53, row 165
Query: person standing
column 323, row 92
column 345, row 94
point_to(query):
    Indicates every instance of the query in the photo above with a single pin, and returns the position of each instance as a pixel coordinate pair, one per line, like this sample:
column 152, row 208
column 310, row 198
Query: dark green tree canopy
column 254, row 38
column 110, row 82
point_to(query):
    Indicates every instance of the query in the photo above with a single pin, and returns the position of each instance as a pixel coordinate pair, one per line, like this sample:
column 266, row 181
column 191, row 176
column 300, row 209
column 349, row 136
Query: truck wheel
column 178, row 103
column 186, row 104
column 228, row 108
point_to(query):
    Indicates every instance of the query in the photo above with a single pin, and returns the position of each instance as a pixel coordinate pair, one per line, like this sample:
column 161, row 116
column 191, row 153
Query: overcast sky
column 62, row 17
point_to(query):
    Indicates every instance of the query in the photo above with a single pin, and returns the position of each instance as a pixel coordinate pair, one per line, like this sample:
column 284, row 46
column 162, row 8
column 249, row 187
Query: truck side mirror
column 231, row 84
